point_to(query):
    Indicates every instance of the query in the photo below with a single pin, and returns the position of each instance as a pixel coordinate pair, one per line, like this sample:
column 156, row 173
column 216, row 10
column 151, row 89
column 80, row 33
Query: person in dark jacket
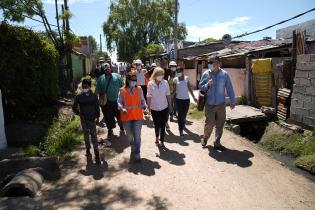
column 86, row 105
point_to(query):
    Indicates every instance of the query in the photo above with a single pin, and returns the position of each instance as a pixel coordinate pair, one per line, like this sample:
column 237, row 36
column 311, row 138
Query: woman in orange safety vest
column 131, row 104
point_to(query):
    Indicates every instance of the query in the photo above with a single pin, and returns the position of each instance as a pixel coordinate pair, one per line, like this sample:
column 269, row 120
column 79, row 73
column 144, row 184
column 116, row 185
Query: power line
column 284, row 21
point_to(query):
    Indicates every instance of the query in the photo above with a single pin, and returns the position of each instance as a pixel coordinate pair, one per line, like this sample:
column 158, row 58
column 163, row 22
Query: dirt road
column 183, row 177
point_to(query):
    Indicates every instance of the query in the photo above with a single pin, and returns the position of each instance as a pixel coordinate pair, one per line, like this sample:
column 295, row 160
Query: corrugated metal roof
column 238, row 49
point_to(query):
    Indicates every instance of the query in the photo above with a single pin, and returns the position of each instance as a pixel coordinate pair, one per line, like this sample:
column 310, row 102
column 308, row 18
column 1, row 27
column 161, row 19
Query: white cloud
column 69, row 1
column 217, row 30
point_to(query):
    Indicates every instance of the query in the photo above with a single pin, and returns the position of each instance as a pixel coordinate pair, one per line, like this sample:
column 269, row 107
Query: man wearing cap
column 109, row 84
column 215, row 82
column 141, row 80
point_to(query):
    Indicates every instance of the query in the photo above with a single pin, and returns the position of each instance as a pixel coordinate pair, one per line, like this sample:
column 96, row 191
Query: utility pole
column 176, row 29
column 69, row 45
column 101, row 43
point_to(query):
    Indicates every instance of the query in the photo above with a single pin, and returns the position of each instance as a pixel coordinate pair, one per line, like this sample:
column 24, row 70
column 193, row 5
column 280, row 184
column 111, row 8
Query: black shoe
column 97, row 161
column 219, row 147
column 181, row 133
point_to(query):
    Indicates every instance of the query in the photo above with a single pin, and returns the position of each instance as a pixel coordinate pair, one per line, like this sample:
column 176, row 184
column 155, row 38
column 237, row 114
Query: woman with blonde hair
column 159, row 103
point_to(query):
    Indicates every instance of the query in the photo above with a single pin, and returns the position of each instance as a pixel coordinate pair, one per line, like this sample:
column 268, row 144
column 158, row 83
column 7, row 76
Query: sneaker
column 203, row 143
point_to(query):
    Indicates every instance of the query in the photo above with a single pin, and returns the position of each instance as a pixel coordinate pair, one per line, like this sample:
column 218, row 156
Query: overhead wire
column 279, row 23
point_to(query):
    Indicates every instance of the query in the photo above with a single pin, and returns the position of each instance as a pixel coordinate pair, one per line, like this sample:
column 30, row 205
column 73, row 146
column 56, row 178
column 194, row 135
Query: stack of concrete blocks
column 303, row 96
column 3, row 141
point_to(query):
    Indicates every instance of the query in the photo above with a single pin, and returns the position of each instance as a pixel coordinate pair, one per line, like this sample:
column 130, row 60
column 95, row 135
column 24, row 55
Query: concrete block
column 313, row 82
column 309, row 105
column 292, row 109
column 298, row 96
column 305, row 82
column 311, row 74
column 309, row 121
column 299, row 89
column 297, row 103
column 297, row 117
column 313, row 99
column 302, row 111
column 310, row 91
column 306, row 58
column 307, row 98
column 312, row 113
column 297, row 81
column 302, row 74
column 305, row 66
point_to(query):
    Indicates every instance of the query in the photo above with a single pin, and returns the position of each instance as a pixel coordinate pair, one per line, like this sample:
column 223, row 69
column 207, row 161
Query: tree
column 133, row 24
column 210, row 39
column 92, row 44
column 150, row 49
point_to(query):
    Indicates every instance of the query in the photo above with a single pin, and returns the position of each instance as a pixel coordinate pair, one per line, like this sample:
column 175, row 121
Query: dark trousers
column 89, row 129
column 160, row 118
column 110, row 112
column 182, row 109
column 144, row 90
column 174, row 107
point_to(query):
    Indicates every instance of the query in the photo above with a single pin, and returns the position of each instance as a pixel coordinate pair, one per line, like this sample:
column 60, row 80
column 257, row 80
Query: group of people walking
column 161, row 93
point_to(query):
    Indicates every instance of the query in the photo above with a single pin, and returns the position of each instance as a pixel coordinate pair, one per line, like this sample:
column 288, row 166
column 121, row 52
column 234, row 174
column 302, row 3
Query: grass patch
column 60, row 139
column 300, row 146
column 194, row 113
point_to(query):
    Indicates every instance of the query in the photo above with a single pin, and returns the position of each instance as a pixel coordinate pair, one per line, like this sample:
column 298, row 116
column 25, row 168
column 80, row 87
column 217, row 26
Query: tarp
column 262, row 65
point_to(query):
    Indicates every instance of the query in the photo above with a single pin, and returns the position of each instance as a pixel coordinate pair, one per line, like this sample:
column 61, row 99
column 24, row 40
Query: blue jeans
column 133, row 131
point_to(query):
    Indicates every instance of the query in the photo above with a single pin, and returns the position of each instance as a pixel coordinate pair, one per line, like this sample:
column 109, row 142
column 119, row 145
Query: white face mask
column 85, row 90
column 210, row 66
column 159, row 78
column 173, row 68
column 180, row 74
column 138, row 68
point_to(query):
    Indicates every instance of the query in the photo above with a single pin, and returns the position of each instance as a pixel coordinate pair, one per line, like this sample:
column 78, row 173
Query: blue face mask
column 210, row 66
column 133, row 84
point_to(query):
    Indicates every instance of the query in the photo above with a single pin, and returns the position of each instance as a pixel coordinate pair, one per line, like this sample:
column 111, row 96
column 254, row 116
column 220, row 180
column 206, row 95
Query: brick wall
column 303, row 95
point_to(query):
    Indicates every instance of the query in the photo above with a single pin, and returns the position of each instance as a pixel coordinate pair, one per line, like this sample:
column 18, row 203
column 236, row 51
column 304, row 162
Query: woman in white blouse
column 159, row 103
column 181, row 89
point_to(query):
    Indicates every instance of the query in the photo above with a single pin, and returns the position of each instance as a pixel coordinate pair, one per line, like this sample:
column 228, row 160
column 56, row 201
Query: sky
column 203, row 18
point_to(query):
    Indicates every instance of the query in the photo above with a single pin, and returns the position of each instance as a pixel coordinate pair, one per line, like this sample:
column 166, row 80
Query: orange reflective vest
column 132, row 103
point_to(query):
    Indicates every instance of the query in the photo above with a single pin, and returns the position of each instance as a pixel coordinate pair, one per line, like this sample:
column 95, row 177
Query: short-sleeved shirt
column 140, row 78
column 159, row 94
column 182, row 91
column 115, row 83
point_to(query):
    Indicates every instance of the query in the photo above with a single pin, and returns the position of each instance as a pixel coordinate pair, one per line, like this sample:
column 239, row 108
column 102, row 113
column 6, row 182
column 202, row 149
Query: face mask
column 180, row 74
column 138, row 68
column 132, row 84
column 85, row 90
column 210, row 66
column 173, row 68
column 159, row 78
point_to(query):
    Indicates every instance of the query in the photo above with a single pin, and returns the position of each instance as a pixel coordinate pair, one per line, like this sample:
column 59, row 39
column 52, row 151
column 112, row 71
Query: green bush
column 62, row 136
column 28, row 70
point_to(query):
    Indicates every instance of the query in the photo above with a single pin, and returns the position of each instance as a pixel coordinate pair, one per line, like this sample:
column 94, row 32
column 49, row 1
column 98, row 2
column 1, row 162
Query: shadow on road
column 171, row 156
column 230, row 156
column 172, row 138
column 119, row 143
column 97, row 171
column 146, row 167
